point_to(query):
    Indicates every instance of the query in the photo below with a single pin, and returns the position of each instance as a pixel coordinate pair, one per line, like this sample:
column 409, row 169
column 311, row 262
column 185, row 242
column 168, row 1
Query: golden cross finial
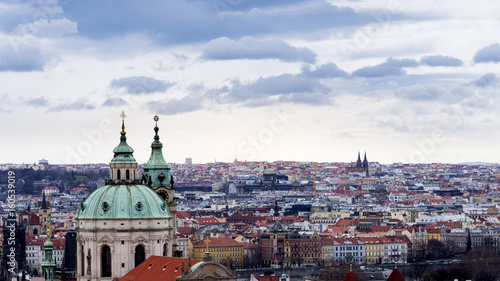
column 350, row 266
column 207, row 241
column 123, row 121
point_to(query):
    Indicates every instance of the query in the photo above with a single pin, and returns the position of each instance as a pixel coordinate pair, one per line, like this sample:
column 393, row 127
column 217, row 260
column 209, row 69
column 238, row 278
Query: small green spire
column 48, row 264
column 123, row 152
column 156, row 170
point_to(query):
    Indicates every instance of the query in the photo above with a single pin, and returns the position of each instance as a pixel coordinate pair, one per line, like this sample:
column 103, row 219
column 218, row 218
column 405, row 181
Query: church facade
column 128, row 220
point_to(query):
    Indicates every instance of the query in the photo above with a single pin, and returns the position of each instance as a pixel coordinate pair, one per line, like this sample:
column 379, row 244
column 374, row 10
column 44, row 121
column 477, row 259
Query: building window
column 127, row 174
column 106, row 261
column 140, row 256
column 118, row 174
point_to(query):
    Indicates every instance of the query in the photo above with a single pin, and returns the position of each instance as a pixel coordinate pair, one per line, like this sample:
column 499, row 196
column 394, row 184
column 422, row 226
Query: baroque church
column 130, row 218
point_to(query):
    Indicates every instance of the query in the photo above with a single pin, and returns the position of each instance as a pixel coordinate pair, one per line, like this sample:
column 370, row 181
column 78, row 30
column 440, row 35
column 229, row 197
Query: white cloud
column 46, row 28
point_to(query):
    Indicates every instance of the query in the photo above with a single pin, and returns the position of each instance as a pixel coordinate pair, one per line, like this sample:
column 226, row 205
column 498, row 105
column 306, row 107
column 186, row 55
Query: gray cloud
column 141, row 85
column 439, row 60
column 421, row 92
column 486, row 80
column 112, row 102
column 391, row 67
column 490, row 53
column 224, row 48
column 307, row 98
column 176, row 106
column 328, row 70
column 181, row 22
column 37, row 102
column 76, row 106
column 305, row 87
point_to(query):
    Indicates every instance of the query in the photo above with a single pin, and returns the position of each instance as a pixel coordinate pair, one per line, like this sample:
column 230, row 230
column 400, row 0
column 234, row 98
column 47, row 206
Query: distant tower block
column 189, row 160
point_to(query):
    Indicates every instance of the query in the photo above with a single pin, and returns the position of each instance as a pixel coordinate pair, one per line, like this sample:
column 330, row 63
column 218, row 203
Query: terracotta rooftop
column 158, row 268
column 395, row 276
column 350, row 277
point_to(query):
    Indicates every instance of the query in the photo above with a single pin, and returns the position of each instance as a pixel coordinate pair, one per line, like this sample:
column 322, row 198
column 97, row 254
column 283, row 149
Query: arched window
column 140, row 256
column 127, row 174
column 35, row 231
column 82, row 261
column 165, row 250
column 118, row 175
column 106, row 261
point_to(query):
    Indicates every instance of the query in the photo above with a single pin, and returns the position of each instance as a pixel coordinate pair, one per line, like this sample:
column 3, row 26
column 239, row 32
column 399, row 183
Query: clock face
column 163, row 194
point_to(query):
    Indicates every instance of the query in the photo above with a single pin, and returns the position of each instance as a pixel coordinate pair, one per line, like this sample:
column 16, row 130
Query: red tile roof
column 158, row 268
column 34, row 217
column 207, row 221
column 268, row 278
column 186, row 230
column 395, row 276
column 350, row 277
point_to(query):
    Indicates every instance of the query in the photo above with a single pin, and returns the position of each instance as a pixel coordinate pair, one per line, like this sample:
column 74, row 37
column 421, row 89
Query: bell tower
column 44, row 215
column 157, row 176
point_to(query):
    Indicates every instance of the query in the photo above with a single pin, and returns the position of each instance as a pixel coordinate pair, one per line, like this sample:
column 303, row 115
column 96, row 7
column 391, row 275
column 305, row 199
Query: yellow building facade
column 225, row 251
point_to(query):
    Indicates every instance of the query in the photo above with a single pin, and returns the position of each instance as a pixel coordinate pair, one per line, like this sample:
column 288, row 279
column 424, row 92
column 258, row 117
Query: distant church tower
column 48, row 264
column 157, row 176
column 122, row 223
column 361, row 166
column 44, row 216
column 365, row 166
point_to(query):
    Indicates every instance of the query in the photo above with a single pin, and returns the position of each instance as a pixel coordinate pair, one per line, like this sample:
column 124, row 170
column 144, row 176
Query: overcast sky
column 316, row 80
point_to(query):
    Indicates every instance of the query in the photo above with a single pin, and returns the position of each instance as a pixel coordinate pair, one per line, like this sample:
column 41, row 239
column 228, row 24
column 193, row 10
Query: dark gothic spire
column 44, row 202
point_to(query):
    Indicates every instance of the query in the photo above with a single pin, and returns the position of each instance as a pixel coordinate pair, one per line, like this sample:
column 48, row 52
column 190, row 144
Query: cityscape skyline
column 258, row 81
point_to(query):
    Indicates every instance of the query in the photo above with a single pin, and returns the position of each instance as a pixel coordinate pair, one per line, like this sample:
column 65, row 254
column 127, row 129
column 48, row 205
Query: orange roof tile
column 158, row 268
column 395, row 276
column 350, row 277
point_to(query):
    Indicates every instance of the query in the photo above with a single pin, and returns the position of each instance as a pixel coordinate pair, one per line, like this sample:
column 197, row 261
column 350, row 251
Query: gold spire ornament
column 123, row 116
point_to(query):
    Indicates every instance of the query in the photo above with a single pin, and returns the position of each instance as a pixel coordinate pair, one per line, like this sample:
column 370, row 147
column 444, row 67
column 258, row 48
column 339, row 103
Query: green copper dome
column 48, row 244
column 123, row 202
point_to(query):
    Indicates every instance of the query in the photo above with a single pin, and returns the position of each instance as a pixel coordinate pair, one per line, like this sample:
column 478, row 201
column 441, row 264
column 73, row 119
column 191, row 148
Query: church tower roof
column 277, row 227
column 44, row 202
column 157, row 171
column 123, row 152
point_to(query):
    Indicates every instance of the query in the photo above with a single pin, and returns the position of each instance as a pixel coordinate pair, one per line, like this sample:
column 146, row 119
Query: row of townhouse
column 282, row 248
column 369, row 250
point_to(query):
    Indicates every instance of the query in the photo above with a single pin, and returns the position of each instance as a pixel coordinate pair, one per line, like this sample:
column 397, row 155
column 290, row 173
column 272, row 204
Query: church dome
column 124, row 202
column 48, row 244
